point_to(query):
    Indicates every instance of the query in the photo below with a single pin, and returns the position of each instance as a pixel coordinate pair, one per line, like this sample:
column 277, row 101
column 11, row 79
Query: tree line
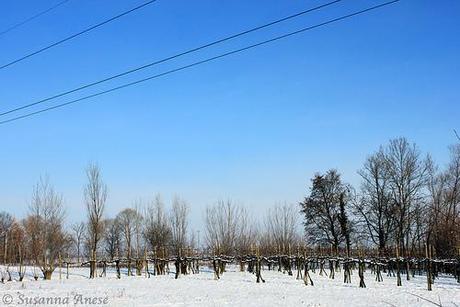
column 403, row 203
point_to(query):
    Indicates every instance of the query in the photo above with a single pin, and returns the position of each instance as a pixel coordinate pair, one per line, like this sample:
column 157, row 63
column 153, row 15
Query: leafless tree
column 375, row 208
column 78, row 232
column 452, row 200
column 95, row 194
column 44, row 225
column 436, row 192
column 266, row 243
column 248, row 232
column 444, row 200
column 407, row 178
column 112, row 238
column 179, row 224
column 281, row 223
column 16, row 249
column 6, row 221
column 157, row 231
column 223, row 226
column 138, row 228
column 127, row 221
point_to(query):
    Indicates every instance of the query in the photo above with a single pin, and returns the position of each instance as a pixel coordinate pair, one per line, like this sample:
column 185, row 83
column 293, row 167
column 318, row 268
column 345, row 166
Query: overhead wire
column 274, row 39
column 29, row 19
column 68, row 38
column 169, row 58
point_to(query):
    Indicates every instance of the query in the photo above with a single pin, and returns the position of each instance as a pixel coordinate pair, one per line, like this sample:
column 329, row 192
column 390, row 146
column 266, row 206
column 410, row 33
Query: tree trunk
column 47, row 274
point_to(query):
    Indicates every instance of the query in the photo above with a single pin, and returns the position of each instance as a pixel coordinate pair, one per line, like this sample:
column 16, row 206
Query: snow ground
column 233, row 289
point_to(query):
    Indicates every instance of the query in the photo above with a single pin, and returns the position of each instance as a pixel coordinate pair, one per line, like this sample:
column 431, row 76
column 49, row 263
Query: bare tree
column 78, row 232
column 112, row 238
column 248, row 233
column 16, row 249
column 444, row 199
column 179, row 224
column 157, row 231
column 95, row 194
column 375, row 208
column 44, row 225
column 281, row 223
column 452, row 200
column 127, row 220
column 6, row 221
column 138, row 228
column 12, row 233
column 222, row 226
column 407, row 178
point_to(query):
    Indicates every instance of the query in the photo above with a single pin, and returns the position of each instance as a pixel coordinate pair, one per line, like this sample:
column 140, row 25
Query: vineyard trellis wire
column 304, row 262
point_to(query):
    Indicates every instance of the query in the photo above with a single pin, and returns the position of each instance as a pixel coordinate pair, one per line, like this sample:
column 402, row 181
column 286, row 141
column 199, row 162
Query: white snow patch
column 234, row 289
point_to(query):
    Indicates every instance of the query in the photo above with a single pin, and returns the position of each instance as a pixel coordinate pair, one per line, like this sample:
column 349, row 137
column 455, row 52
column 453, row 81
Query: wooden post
column 60, row 266
column 5, row 248
column 398, row 272
column 35, row 271
column 146, row 264
column 428, row 267
column 95, row 264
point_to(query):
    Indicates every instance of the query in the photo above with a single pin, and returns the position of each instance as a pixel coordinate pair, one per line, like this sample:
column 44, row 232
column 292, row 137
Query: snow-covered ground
column 233, row 289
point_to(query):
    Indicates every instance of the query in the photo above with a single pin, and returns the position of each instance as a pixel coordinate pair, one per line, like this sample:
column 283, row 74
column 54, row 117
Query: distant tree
column 138, row 228
column 112, row 238
column 12, row 235
column 407, row 177
column 127, row 220
column 248, row 232
column 444, row 206
column 157, row 230
column 322, row 209
column 451, row 210
column 223, row 226
column 16, row 249
column 6, row 221
column 179, row 224
column 44, row 227
column 95, row 194
column 265, row 242
column 375, row 208
column 78, row 232
column 281, row 224
column 345, row 225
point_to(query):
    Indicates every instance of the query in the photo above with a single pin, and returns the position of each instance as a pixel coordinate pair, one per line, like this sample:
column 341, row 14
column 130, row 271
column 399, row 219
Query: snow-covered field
column 233, row 289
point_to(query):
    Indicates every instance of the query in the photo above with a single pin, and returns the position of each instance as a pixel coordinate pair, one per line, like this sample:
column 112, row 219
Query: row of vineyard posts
column 303, row 261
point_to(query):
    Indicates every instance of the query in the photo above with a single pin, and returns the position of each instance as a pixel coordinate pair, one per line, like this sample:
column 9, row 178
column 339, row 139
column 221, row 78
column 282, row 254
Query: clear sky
column 253, row 127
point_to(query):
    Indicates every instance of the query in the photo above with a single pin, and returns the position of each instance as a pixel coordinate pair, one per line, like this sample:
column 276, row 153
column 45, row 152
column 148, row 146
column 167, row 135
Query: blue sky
column 253, row 127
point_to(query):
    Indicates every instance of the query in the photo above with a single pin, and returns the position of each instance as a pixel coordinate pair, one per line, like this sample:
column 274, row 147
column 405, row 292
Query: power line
column 76, row 34
column 17, row 25
column 170, row 58
column 201, row 62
